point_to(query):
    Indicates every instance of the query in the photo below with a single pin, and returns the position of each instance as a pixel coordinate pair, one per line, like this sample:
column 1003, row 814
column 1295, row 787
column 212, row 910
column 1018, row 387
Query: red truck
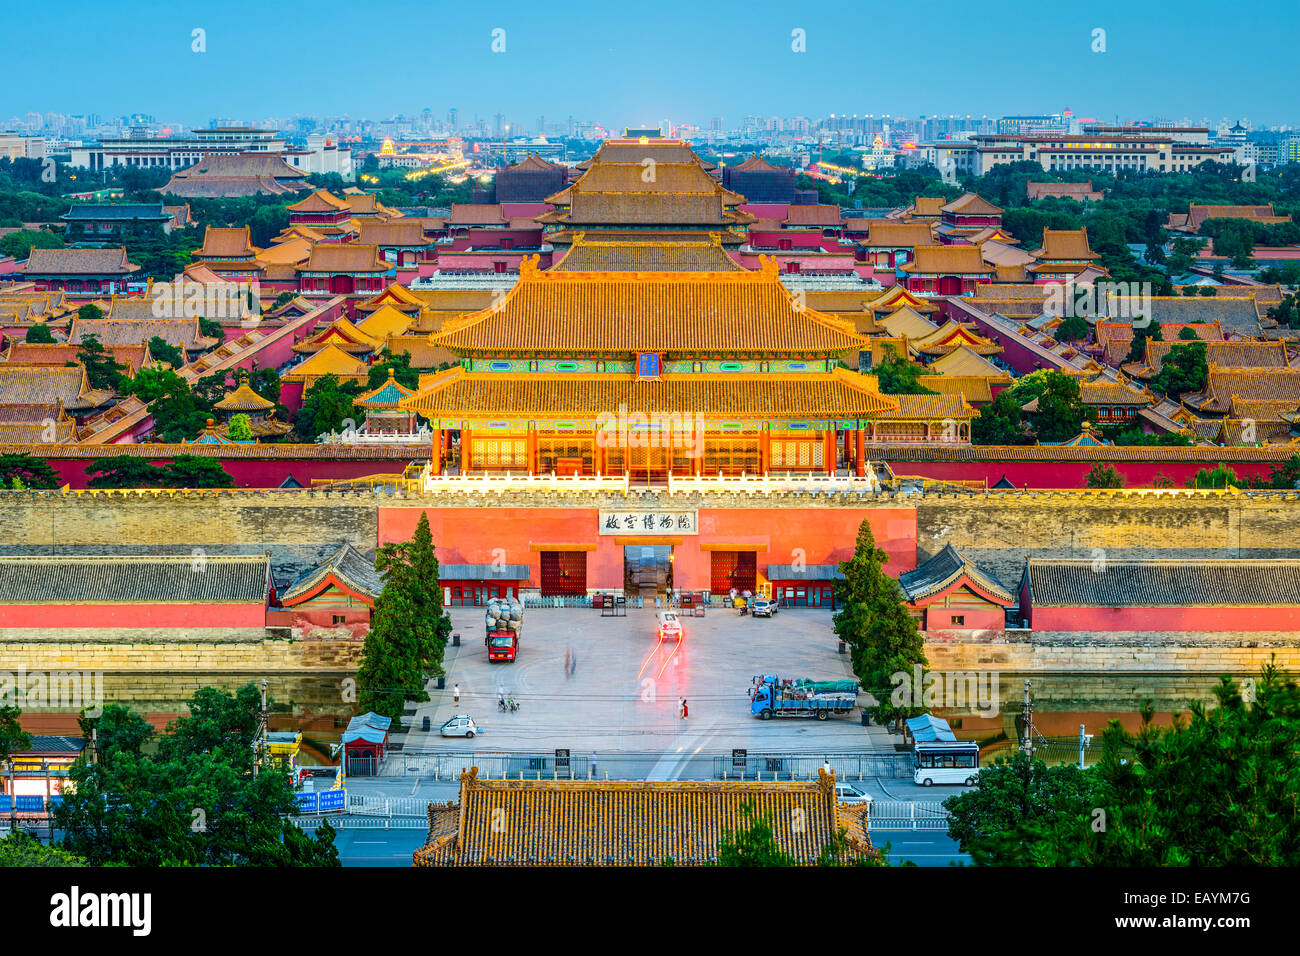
column 502, row 645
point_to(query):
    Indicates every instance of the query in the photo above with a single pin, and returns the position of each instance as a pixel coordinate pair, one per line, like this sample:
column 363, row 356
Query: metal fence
column 444, row 765
column 778, row 766
column 908, row 815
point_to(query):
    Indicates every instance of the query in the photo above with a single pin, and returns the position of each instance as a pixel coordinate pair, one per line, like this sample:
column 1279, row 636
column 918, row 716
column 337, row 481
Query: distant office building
column 1104, row 148
column 139, row 149
column 1028, row 125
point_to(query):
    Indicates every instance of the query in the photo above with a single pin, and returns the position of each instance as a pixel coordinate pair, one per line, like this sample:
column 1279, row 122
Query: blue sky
column 624, row 62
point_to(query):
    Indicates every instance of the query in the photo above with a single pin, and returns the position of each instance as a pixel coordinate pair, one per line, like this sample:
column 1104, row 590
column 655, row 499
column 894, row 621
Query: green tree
column 163, row 352
column 239, row 428
column 189, row 798
column 1014, row 809
column 212, row 329
column 1074, row 328
column 22, row 849
column 179, row 414
column 21, row 243
column 125, row 471
column 1285, row 474
column 1221, row 476
column 39, row 334
column 1061, row 412
column 753, row 843
column 102, row 370
column 32, row 472
column 1137, row 350
column 408, row 628
column 193, row 471
column 874, row 622
column 1216, row 788
column 325, row 407
column 1184, row 369
column 400, row 365
column 897, row 376
column 1103, row 476
column 13, row 738
column 1001, row 422
column 90, row 312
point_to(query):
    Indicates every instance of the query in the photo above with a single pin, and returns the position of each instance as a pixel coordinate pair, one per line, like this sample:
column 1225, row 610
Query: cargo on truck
column 774, row 696
column 504, row 623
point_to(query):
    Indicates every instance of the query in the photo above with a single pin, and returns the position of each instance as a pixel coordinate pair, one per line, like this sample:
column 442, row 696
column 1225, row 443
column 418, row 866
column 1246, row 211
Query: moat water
column 319, row 706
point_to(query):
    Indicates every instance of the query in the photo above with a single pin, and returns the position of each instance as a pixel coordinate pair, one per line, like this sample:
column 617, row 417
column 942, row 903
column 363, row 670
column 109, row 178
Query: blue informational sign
column 307, row 802
column 333, row 800
column 31, row 804
column 647, row 365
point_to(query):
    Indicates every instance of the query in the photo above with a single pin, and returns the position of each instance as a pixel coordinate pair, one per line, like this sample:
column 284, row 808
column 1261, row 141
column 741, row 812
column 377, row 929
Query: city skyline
column 643, row 71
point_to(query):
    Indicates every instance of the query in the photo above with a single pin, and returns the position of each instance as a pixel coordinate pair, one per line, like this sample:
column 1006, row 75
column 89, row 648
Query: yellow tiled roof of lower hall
column 670, row 312
column 841, row 393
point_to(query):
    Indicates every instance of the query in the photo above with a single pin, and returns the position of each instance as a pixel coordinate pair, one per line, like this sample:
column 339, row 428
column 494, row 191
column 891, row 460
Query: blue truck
column 774, row 696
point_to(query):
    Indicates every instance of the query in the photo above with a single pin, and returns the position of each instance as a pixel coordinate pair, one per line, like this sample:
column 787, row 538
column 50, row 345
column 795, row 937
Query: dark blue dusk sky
column 622, row 62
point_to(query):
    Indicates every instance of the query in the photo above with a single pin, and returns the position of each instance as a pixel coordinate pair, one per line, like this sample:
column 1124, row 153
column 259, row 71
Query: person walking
column 681, row 707
column 568, row 654
column 455, row 695
column 573, row 666
column 686, row 710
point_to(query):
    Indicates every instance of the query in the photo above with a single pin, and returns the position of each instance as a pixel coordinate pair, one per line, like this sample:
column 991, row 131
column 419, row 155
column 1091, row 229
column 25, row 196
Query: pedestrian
column 593, row 766
column 686, row 711
column 681, row 707
column 573, row 667
column 826, row 767
column 568, row 655
column 455, row 695
column 733, row 597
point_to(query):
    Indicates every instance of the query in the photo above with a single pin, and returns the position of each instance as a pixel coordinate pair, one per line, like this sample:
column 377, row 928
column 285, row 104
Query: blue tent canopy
column 927, row 728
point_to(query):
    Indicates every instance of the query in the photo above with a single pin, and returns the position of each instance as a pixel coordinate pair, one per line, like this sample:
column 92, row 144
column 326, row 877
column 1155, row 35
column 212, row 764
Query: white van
column 946, row 761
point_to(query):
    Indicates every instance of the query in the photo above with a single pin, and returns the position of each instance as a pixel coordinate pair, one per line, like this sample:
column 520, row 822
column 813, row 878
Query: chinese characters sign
column 649, row 522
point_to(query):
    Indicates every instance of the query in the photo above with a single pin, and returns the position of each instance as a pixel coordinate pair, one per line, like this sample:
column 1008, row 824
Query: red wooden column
column 437, row 450
column 828, row 451
column 860, row 460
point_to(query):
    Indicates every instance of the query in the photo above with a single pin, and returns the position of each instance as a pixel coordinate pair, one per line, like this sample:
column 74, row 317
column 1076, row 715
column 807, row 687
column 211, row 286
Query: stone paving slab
column 623, row 694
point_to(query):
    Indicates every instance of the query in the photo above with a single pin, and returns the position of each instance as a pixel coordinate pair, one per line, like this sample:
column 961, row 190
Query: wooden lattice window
column 731, row 456
column 506, row 453
column 796, row 454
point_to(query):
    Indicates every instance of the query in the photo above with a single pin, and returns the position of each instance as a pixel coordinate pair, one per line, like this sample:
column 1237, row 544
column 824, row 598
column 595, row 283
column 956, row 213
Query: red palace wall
column 1165, row 619
column 263, row 473
column 1070, row 474
column 132, row 615
column 780, row 535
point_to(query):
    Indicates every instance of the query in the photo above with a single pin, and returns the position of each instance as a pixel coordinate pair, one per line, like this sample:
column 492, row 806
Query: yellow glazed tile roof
column 671, row 312
column 841, row 393
column 629, row 823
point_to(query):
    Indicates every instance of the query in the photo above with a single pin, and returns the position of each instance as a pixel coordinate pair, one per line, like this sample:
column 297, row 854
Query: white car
column 847, row 793
column 763, row 607
column 462, row 725
column 670, row 628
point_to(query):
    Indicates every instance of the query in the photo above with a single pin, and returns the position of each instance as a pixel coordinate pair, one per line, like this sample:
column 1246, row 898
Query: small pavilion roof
column 947, row 569
column 244, row 399
column 346, row 569
column 391, row 394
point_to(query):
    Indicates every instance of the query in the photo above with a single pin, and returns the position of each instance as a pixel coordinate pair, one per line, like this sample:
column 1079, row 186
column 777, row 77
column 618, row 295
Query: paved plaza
column 623, row 692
